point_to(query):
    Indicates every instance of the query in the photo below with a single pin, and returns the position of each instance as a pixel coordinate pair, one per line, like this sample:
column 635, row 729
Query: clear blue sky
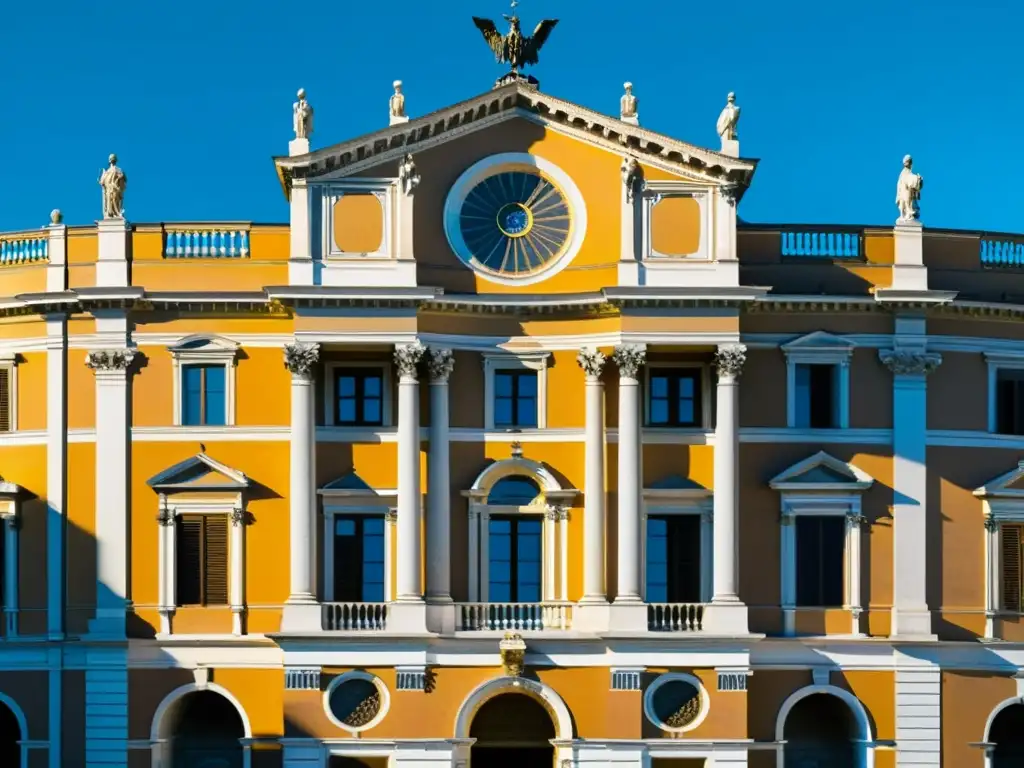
column 195, row 97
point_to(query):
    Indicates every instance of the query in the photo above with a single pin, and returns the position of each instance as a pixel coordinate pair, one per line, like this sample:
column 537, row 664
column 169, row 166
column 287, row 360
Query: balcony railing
column 367, row 617
column 675, row 617
column 479, row 617
column 823, row 243
column 24, row 248
column 1002, row 251
column 206, row 243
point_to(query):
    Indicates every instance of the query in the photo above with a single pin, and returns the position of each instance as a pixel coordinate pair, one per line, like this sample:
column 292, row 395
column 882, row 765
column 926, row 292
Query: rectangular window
column 1012, row 567
column 820, row 552
column 202, row 560
column 673, row 559
column 359, row 397
column 359, row 558
column 674, row 397
column 1010, row 401
column 514, row 567
column 203, row 395
column 515, row 399
column 817, row 397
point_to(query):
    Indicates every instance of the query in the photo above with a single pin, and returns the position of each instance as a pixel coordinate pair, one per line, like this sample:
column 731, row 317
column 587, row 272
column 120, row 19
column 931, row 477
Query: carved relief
column 110, row 359
column 630, row 358
column 592, row 361
column 300, row 358
column 729, row 360
column 910, row 362
column 407, row 358
column 440, row 364
column 513, row 654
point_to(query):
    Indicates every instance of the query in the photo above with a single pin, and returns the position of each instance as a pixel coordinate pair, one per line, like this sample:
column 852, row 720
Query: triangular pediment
column 822, row 472
column 509, row 102
column 819, row 340
column 1009, row 485
column 350, row 482
column 198, row 473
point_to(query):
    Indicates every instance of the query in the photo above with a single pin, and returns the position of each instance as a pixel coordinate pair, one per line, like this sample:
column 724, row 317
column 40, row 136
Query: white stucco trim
column 158, row 736
column 385, row 700
column 819, row 348
column 652, row 716
column 545, row 695
column 533, row 361
column 1006, row 704
column 866, row 758
column 510, row 161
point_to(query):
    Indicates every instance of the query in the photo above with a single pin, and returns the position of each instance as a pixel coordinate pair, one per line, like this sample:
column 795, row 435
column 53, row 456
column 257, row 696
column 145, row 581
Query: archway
column 10, row 735
column 200, row 728
column 1006, row 733
column 824, row 727
column 512, row 730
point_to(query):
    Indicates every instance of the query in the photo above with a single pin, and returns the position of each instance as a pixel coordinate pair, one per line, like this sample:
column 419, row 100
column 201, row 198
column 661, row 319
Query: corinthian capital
column 110, row 359
column 910, row 362
column 630, row 358
column 440, row 364
column 592, row 361
column 407, row 358
column 300, row 358
column 729, row 360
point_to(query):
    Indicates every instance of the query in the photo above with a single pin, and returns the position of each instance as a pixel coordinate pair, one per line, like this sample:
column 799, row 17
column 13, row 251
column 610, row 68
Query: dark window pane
column 359, row 397
column 192, row 395
column 527, row 413
column 1010, row 402
column 372, row 411
column 372, row 386
column 216, row 396
column 820, row 547
column 527, row 381
column 673, row 559
column 822, row 404
column 659, row 386
column 346, row 386
column 503, row 384
column 674, row 398
column 659, row 412
column 503, row 412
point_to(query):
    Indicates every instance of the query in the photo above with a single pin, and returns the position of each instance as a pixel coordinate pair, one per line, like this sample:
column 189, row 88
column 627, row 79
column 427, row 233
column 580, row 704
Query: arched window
column 10, row 735
column 1007, row 734
column 820, row 731
column 514, row 490
column 201, row 729
column 512, row 730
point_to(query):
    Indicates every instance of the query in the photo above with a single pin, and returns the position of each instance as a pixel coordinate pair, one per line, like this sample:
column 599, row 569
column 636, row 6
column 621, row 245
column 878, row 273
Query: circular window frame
column 502, row 163
column 671, row 677
column 385, row 700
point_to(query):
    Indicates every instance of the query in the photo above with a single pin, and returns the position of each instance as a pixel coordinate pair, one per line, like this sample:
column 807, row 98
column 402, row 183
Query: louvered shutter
column 5, row 400
column 215, row 572
column 189, row 559
column 1011, row 535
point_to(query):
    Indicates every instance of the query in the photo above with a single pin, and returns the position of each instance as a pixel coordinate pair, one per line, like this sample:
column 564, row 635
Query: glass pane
column 686, row 386
column 803, row 397
column 500, row 547
column 503, row 412
column 499, row 592
column 500, row 571
column 527, row 384
column 659, row 386
column 527, row 412
column 372, row 411
column 373, row 592
column 344, row 527
column 519, row 491
column 192, row 395
column 347, row 411
column 216, row 402
column 346, row 386
column 659, row 412
column 372, row 386
column 503, row 384
column 529, row 548
column 686, row 415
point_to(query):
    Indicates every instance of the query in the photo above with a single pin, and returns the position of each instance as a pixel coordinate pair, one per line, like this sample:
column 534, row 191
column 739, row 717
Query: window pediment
column 1007, row 486
column 822, row 472
column 352, row 486
column 819, row 347
column 198, row 473
column 205, row 346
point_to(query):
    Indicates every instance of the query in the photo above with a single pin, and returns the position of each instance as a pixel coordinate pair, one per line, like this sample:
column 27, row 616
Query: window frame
column 331, row 372
column 204, row 349
column 1002, row 504
column 203, row 603
column 707, row 419
column 532, row 361
column 9, row 362
column 820, row 348
column 331, row 513
column 10, row 519
column 664, row 502
column 995, row 362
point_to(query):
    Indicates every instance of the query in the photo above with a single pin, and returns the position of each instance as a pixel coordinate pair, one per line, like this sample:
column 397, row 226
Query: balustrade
column 1002, row 252
column 354, row 616
column 824, row 244
column 24, row 249
column 206, row 243
column 675, row 617
column 476, row 617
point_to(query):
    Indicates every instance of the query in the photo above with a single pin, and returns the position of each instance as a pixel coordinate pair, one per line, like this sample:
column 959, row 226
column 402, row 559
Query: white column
column 410, row 587
column 56, row 460
column 439, row 574
column 629, row 358
column 114, row 237
column 729, row 361
column 787, row 568
column 302, row 611
column 854, row 523
column 707, row 546
column 112, row 408
column 993, row 568
column 237, row 586
column 563, row 559
column 910, row 367
column 592, row 362
column 11, row 574
column 473, row 581
column 549, row 579
column 168, row 571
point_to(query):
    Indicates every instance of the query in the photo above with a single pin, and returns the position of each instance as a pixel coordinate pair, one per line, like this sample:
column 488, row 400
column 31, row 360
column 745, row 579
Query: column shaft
column 303, row 504
column 629, row 359
column 439, row 586
column 594, row 523
column 729, row 361
column 410, row 559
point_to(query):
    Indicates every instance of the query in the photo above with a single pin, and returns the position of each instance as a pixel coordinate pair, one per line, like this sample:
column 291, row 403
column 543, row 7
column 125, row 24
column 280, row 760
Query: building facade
column 514, row 446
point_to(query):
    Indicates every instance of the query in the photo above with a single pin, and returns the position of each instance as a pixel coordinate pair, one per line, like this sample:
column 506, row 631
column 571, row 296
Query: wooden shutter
column 189, row 564
column 5, row 400
column 1011, row 538
column 215, row 566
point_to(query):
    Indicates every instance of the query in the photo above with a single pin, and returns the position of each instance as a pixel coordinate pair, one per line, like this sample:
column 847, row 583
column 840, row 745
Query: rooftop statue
column 397, row 102
column 513, row 48
column 628, row 103
column 302, row 116
column 729, row 119
column 908, row 192
column 113, row 181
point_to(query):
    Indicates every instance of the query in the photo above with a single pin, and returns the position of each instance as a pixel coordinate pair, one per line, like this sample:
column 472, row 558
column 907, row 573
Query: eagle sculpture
column 513, row 48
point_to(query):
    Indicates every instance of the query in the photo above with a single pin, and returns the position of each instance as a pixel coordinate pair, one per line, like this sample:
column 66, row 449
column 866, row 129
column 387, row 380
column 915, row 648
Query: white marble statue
column 908, row 192
column 729, row 119
column 302, row 116
column 113, row 181
column 630, row 177
column 397, row 103
column 628, row 103
column 408, row 179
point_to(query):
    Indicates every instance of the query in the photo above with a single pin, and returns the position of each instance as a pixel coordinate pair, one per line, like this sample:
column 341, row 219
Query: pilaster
column 57, row 249
column 300, row 262
column 114, row 251
column 726, row 257
column 592, row 362
column 56, row 469
column 106, row 707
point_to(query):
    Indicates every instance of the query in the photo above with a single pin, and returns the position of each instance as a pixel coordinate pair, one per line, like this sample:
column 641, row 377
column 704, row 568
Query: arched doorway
column 1007, row 734
column 10, row 735
column 820, row 731
column 201, row 729
column 512, row 730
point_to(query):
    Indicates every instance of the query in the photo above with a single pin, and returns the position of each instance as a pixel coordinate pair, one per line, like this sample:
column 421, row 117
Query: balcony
column 496, row 617
column 354, row 617
column 675, row 617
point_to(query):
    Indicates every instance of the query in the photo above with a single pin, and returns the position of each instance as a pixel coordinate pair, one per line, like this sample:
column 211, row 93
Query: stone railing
column 206, row 242
column 675, row 617
column 826, row 243
column 24, row 248
column 367, row 617
column 1002, row 251
column 479, row 617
